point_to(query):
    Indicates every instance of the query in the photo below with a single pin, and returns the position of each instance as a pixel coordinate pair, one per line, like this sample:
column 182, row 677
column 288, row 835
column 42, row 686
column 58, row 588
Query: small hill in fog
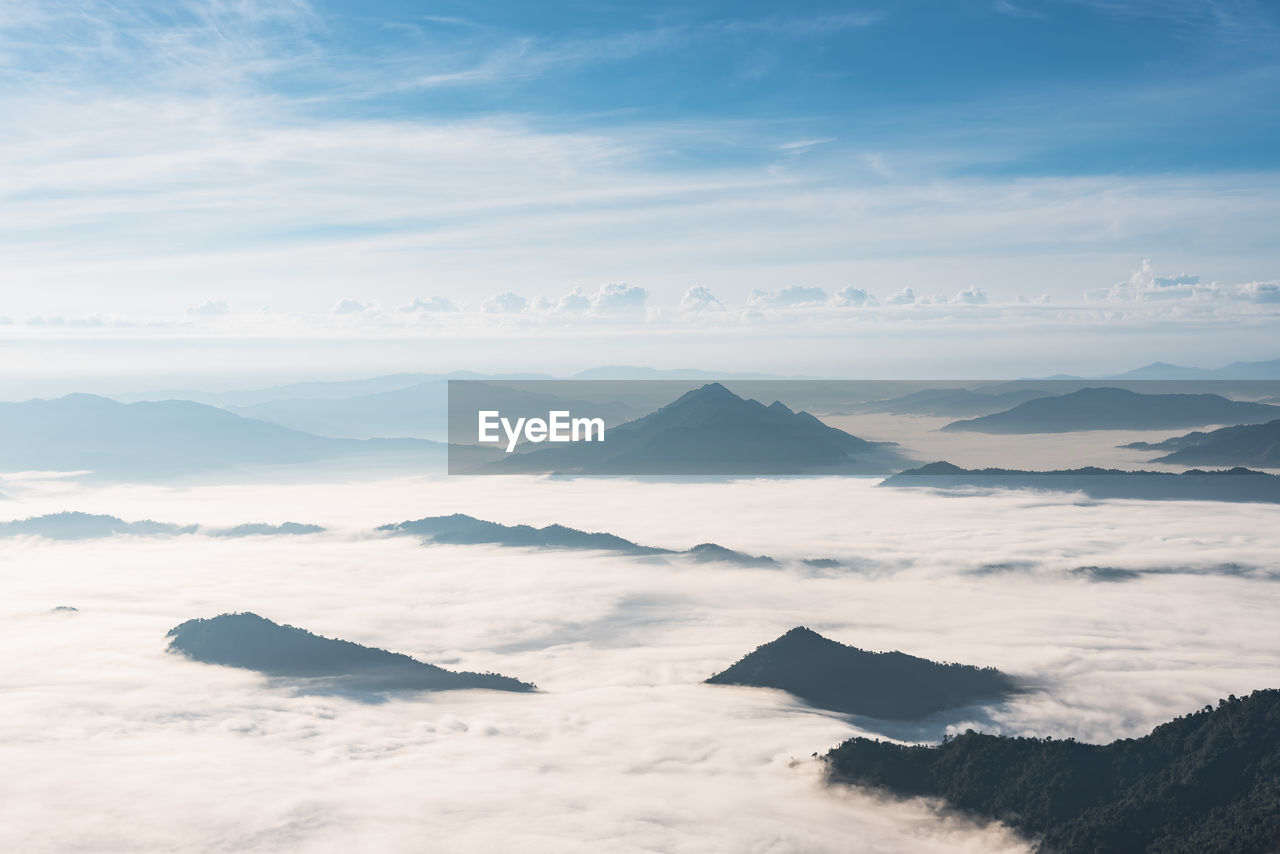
column 1243, row 445
column 252, row 642
column 1117, row 409
column 886, row 685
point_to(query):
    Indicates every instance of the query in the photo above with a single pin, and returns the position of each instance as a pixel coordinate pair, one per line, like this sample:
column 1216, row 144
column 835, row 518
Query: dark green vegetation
column 255, row 643
column 460, row 529
column 71, row 525
column 887, row 685
column 1205, row 783
column 1118, row 409
column 712, row 431
column 1243, row 445
column 1237, row 484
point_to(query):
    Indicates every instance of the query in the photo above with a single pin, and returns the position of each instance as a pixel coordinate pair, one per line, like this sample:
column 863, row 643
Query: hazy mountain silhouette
column 949, row 401
column 173, row 437
column 461, row 529
column 888, row 685
column 1117, row 409
column 255, row 643
column 1243, row 445
column 1235, row 371
column 1237, row 484
column 71, row 525
column 1205, row 783
column 710, row 553
column 710, row 430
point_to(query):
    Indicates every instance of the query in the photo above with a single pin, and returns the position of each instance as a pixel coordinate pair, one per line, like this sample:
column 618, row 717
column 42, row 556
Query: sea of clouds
column 111, row 744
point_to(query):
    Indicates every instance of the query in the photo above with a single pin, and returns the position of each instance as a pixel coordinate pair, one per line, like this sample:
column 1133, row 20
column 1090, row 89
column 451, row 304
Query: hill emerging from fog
column 886, row 685
column 952, row 402
column 1237, row 484
column 1117, row 409
column 255, row 643
column 1205, row 783
column 1243, row 445
column 712, row 431
column 148, row 440
column 72, row 525
column 461, row 529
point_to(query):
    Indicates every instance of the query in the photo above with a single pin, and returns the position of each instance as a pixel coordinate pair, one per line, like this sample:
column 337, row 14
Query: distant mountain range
column 255, row 643
column 1235, row 371
column 1205, row 783
column 1117, row 409
column 1237, row 484
column 139, row 441
column 886, row 685
column 712, row 431
column 460, row 529
column 949, row 401
column 1243, row 445
column 71, row 525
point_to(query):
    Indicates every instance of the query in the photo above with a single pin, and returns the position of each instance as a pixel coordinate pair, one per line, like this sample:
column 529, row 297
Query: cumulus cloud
column 430, row 305
column 619, row 298
column 209, row 308
column 1267, row 292
column 906, row 296
column 506, row 302
column 796, row 296
column 856, row 297
column 970, row 296
column 699, row 299
column 350, row 306
column 574, row 302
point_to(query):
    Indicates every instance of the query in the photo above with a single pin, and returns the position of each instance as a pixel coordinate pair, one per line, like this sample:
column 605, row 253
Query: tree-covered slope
column 1205, row 783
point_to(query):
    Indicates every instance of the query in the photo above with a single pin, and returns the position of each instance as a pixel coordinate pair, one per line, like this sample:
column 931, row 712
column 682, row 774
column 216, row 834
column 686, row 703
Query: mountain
column 887, row 685
column 1204, row 783
column 711, row 553
column 1235, row 371
column 949, row 401
column 255, row 643
column 1244, row 445
column 460, row 529
column 712, row 431
column 1117, row 409
column 1237, row 484
column 173, row 437
column 71, row 525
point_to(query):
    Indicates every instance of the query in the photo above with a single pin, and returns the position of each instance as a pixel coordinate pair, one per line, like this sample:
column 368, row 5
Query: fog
column 111, row 744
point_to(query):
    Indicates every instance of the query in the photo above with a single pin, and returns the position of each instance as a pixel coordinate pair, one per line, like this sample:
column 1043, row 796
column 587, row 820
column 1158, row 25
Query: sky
column 673, row 182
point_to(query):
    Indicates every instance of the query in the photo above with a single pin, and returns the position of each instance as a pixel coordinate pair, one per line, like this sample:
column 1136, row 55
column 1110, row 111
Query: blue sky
column 223, row 161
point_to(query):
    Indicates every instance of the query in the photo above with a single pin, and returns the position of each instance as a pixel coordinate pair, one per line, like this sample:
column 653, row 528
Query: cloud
column 970, row 296
column 906, row 296
column 506, row 302
column 430, row 305
column 619, row 298
column 856, row 297
column 1263, row 292
column 795, row 296
column 698, row 299
column 623, row 746
column 350, row 306
column 209, row 308
column 574, row 302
